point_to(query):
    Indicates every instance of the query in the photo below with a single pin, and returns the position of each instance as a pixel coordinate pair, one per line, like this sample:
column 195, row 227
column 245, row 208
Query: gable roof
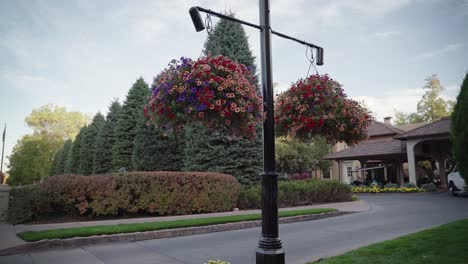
column 377, row 128
column 437, row 128
column 369, row 150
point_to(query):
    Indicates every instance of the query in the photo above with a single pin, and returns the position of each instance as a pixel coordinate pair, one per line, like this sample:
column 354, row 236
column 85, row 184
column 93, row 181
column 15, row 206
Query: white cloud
column 387, row 34
column 434, row 53
column 335, row 12
column 405, row 100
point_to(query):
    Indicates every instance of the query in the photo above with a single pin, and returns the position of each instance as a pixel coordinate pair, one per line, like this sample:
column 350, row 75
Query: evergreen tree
column 125, row 130
column 62, row 161
column 155, row 152
column 54, row 167
column 206, row 151
column 88, row 144
column 105, row 140
column 459, row 130
column 217, row 152
column 229, row 39
column 73, row 160
column 59, row 163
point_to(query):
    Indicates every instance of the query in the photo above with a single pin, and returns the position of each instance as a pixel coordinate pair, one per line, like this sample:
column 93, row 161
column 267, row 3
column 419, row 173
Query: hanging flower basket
column 317, row 106
column 215, row 91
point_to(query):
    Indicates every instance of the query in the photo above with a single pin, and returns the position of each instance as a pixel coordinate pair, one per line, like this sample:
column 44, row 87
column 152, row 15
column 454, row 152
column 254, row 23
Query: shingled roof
column 437, row 128
column 376, row 128
column 408, row 127
column 369, row 149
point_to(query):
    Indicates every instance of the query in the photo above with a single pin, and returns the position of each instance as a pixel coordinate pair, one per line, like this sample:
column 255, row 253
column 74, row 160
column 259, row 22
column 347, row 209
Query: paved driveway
column 389, row 216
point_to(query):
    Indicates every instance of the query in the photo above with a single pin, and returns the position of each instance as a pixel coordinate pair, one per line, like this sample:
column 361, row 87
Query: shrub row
column 156, row 193
column 292, row 193
column 429, row 187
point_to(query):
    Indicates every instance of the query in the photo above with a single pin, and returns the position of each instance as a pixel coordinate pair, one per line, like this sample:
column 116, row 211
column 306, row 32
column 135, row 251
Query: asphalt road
column 389, row 216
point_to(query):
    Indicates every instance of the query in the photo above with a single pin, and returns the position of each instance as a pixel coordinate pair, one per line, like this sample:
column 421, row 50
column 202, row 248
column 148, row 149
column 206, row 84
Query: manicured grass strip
column 444, row 244
column 140, row 227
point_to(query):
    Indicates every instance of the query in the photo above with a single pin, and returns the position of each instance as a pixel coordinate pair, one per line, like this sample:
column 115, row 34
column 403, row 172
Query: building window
column 326, row 173
column 349, row 171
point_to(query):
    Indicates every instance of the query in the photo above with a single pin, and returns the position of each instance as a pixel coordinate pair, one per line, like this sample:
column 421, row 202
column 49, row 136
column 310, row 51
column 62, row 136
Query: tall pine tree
column 126, row 127
column 459, row 130
column 206, row 151
column 155, row 152
column 60, row 159
column 73, row 159
column 105, row 140
column 88, row 144
column 229, row 39
column 54, row 167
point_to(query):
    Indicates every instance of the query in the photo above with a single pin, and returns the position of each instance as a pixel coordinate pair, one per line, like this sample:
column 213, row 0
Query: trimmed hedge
column 301, row 192
column 27, row 202
column 134, row 193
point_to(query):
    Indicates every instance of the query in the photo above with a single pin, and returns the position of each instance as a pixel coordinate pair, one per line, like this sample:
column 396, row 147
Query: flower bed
column 216, row 91
column 376, row 189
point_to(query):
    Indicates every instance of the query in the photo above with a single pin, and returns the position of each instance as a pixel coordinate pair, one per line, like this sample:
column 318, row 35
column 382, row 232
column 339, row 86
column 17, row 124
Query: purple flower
column 200, row 107
column 180, row 98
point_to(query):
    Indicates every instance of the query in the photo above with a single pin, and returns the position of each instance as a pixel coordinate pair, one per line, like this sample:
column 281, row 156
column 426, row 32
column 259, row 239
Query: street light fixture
column 196, row 19
column 269, row 250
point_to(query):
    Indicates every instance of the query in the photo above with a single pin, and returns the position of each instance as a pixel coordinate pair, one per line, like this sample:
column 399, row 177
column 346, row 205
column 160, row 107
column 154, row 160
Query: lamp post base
column 270, row 256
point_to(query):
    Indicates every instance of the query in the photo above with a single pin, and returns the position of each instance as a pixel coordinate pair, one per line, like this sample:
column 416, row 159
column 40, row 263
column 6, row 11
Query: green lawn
column 441, row 245
column 129, row 228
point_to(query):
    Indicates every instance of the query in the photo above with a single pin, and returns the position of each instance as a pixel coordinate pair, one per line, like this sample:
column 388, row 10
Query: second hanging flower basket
column 317, row 106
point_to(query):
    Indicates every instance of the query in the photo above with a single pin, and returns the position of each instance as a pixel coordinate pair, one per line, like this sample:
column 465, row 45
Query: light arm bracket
column 199, row 26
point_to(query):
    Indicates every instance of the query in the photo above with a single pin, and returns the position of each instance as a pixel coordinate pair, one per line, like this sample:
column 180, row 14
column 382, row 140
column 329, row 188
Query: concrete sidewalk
column 9, row 239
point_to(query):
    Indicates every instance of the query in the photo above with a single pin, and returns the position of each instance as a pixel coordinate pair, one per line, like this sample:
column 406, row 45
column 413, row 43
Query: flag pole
column 3, row 148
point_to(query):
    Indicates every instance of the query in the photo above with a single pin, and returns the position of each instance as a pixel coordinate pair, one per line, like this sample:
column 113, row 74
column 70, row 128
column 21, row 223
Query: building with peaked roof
column 389, row 150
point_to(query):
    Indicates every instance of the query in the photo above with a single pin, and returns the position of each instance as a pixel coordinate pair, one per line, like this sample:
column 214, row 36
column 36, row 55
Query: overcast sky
column 82, row 54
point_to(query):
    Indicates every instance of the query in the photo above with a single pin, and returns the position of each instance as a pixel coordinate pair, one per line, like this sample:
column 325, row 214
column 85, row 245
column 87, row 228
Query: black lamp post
column 269, row 250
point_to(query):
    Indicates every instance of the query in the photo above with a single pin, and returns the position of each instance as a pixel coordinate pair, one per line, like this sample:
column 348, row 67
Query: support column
column 340, row 165
column 411, row 161
column 385, row 172
column 363, row 172
column 400, row 173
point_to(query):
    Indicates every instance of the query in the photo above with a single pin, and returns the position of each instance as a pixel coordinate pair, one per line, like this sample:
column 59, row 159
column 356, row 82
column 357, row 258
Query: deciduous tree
column 31, row 159
column 432, row 107
column 33, row 155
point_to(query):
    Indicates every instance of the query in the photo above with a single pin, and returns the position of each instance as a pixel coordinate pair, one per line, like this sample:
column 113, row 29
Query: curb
column 128, row 237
